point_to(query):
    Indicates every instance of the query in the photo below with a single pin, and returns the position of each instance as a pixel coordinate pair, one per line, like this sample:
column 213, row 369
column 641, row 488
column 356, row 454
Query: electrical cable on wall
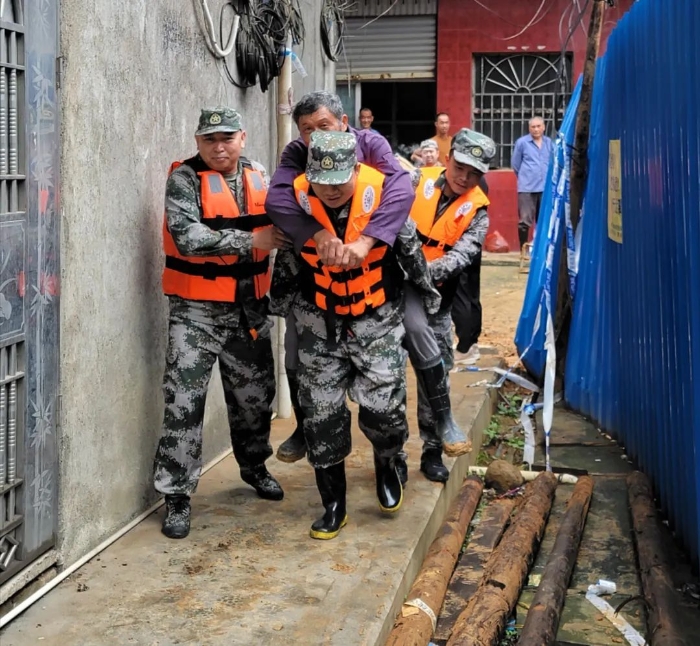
column 258, row 34
column 574, row 23
column 333, row 27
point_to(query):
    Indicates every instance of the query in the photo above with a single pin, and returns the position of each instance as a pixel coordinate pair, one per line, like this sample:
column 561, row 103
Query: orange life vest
column 439, row 236
column 349, row 292
column 215, row 278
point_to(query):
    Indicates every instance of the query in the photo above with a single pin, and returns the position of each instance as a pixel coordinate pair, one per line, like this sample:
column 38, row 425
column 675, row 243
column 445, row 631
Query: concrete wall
column 136, row 75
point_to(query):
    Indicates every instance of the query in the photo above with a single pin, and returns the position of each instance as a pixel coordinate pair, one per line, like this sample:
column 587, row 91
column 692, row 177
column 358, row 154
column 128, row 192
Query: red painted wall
column 465, row 28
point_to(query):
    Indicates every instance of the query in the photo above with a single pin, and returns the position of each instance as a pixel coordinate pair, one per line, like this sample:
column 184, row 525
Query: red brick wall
column 465, row 29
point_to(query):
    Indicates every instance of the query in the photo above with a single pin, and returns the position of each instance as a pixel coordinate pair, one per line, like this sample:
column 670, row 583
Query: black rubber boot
column 402, row 469
column 332, row 487
column 523, row 234
column 264, row 483
column 389, row 487
column 432, row 467
column 176, row 523
column 434, row 383
column 294, row 447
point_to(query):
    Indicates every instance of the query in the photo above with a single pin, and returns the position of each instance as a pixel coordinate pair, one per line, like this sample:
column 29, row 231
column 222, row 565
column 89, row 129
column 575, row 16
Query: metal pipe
column 6, row 619
column 529, row 476
column 284, row 136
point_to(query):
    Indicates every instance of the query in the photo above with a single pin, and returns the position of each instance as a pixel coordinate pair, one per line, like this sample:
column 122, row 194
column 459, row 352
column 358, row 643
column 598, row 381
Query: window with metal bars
column 510, row 89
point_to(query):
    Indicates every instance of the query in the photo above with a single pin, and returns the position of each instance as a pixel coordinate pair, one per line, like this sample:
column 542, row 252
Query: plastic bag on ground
column 496, row 243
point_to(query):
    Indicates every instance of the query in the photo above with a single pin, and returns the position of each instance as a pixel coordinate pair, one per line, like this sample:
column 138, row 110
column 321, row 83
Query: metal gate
column 29, row 281
column 509, row 89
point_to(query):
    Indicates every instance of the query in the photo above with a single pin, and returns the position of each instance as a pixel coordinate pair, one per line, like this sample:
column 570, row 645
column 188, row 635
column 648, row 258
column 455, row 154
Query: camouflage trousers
column 199, row 334
column 441, row 325
column 372, row 374
column 419, row 340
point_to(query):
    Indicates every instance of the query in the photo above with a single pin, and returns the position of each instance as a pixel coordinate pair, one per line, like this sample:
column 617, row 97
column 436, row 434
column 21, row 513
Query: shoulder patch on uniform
column 304, row 202
column 368, row 199
column 464, row 209
column 428, row 189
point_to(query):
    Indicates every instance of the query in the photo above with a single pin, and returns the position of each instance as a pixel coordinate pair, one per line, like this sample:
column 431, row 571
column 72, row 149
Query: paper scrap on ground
column 608, row 587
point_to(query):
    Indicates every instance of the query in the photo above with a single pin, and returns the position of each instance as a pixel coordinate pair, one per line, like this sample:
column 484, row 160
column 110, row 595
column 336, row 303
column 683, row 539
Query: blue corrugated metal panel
column 636, row 331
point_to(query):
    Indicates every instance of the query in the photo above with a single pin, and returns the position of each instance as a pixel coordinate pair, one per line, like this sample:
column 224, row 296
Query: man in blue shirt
column 530, row 162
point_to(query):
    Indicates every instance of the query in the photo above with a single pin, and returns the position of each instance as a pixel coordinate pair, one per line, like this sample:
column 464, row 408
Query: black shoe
column 176, row 523
column 389, row 487
column 433, row 382
column 332, row 487
column 402, row 469
column 432, row 467
column 263, row 482
column 294, row 447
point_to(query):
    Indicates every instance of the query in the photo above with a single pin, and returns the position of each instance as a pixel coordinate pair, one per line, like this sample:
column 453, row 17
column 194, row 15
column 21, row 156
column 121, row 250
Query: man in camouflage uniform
column 459, row 192
column 360, row 355
column 324, row 111
column 215, row 276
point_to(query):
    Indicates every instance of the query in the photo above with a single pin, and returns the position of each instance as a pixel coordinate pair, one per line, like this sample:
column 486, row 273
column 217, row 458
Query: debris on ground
column 503, row 476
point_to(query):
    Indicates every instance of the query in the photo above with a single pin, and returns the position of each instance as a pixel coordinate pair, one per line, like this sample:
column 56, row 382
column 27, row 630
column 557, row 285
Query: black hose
column 262, row 37
column 333, row 27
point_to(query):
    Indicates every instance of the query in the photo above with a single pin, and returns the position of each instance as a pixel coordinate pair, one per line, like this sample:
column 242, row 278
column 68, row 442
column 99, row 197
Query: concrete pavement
column 249, row 573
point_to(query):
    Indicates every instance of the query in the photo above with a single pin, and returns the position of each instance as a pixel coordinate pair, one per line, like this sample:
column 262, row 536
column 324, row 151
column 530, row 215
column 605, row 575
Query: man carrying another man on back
column 323, row 111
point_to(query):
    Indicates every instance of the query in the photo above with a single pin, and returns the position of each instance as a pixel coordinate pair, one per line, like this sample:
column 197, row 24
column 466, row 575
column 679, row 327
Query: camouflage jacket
column 194, row 238
column 466, row 249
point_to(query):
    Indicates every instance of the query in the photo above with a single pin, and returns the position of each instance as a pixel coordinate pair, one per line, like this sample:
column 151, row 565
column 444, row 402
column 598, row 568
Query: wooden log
column 485, row 616
column 542, row 619
column 470, row 569
column 659, row 591
column 577, row 183
column 414, row 626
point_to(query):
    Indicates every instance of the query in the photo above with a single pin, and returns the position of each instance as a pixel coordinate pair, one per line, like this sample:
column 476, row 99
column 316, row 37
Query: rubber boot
column 332, row 487
column 523, row 235
column 264, row 483
column 389, row 487
column 401, row 468
column 176, row 523
column 432, row 467
column 294, row 447
column 434, row 383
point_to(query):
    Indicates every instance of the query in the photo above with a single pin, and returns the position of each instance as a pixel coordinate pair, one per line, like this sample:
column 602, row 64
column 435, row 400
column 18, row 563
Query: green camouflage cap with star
column 220, row 119
column 474, row 149
column 332, row 158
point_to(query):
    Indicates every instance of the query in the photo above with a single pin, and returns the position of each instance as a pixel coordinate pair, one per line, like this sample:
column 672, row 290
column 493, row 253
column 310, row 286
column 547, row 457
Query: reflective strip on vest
column 215, row 278
column 439, row 236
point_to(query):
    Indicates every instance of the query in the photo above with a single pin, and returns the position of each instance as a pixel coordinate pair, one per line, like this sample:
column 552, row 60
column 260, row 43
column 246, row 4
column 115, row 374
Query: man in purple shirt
column 530, row 162
column 372, row 149
column 324, row 111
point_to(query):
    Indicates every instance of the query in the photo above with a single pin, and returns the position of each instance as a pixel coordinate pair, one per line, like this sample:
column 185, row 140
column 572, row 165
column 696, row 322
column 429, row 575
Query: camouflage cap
column 220, row 119
column 429, row 143
column 332, row 157
column 474, row 149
